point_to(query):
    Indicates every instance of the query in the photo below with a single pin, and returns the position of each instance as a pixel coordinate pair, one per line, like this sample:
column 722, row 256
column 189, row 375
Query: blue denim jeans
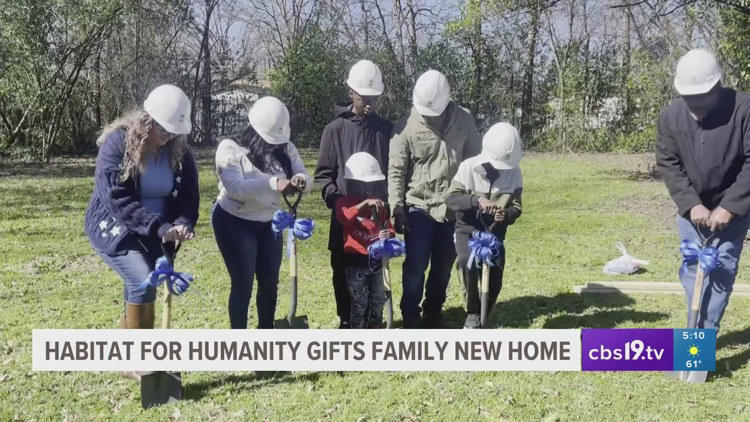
column 134, row 266
column 427, row 243
column 717, row 285
column 367, row 296
column 250, row 249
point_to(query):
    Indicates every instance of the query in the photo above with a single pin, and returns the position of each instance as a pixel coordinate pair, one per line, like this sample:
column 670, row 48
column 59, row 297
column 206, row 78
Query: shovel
column 163, row 387
column 386, row 278
column 695, row 377
column 291, row 320
column 492, row 174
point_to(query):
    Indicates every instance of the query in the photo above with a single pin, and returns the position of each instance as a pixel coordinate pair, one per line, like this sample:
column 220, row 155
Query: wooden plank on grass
column 655, row 285
column 647, row 287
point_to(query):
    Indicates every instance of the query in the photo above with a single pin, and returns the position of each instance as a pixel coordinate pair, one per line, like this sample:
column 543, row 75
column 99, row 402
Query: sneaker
column 433, row 320
column 472, row 321
column 344, row 325
column 412, row 323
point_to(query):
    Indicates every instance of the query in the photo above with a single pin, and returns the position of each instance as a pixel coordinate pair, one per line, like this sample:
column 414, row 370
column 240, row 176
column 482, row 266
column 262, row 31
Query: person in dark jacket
column 145, row 193
column 703, row 155
column 356, row 128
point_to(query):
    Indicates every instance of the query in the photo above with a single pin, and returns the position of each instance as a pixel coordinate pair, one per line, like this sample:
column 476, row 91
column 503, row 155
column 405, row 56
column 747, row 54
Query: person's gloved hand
column 400, row 223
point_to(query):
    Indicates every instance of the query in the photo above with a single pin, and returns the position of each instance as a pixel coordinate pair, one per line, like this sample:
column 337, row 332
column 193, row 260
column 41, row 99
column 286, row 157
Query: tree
column 734, row 47
column 308, row 78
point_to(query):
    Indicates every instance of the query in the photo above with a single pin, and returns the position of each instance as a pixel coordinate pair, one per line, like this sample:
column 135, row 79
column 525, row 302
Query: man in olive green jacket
column 425, row 152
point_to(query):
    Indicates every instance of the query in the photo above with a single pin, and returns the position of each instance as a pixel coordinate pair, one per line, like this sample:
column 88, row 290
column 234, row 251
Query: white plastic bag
column 625, row 264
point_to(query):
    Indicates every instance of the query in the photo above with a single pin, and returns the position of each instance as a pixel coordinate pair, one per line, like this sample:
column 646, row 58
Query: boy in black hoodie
column 356, row 128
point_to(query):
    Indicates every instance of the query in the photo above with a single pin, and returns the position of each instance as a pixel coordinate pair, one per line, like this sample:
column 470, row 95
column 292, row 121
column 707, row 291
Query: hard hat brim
column 497, row 164
column 274, row 140
column 683, row 89
column 366, row 92
column 371, row 178
column 175, row 129
column 427, row 111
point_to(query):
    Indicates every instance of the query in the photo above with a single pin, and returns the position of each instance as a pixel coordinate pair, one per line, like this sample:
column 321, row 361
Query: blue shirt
column 157, row 181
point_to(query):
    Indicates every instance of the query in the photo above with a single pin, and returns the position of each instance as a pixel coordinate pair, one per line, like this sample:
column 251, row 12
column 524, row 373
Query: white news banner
column 306, row 350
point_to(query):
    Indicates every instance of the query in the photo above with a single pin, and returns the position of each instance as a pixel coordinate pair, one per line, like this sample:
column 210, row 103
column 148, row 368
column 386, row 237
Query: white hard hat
column 363, row 167
column 365, row 78
column 270, row 118
column 432, row 93
column 501, row 146
column 170, row 107
column 697, row 72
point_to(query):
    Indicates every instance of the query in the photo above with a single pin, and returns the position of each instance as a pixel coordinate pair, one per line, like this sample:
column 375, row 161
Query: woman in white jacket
column 252, row 177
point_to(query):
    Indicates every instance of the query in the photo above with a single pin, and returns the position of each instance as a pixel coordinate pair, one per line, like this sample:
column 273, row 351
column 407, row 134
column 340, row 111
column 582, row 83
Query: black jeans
column 249, row 249
column 472, row 278
column 338, row 266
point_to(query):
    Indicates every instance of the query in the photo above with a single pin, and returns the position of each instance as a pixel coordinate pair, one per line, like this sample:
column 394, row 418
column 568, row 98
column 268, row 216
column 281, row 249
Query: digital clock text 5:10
column 695, row 335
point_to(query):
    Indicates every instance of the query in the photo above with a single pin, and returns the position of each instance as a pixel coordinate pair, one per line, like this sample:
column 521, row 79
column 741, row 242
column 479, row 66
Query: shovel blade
column 297, row 322
column 695, row 377
column 160, row 388
column 674, row 374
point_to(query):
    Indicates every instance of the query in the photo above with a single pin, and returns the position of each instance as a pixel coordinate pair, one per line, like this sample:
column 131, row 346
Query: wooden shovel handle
column 695, row 304
column 170, row 253
column 166, row 318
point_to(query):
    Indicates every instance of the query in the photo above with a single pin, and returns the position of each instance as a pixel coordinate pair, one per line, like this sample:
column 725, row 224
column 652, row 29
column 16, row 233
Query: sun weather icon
column 694, row 351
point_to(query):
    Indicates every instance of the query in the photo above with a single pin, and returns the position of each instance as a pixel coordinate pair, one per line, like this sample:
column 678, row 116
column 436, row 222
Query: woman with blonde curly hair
column 145, row 193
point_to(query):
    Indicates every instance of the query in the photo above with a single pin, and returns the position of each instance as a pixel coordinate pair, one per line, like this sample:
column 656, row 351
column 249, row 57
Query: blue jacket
column 115, row 212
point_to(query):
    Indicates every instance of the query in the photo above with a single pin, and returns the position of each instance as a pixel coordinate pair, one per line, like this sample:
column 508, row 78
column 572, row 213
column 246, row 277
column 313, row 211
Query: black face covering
column 268, row 158
column 367, row 189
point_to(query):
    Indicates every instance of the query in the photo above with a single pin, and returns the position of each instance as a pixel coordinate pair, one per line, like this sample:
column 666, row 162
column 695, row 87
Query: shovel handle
column 293, row 205
column 388, row 295
column 292, row 280
column 170, row 251
column 383, row 223
column 166, row 318
column 695, row 304
column 292, row 258
column 485, row 294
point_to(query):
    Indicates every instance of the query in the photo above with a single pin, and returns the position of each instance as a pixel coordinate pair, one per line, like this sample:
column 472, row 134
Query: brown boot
column 131, row 319
column 133, row 315
column 147, row 315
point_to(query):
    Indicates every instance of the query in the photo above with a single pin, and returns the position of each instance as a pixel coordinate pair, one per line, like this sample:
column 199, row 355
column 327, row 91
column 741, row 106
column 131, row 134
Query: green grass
column 575, row 208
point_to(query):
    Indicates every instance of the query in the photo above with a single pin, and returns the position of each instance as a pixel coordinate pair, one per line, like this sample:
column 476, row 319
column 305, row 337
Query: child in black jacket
column 486, row 196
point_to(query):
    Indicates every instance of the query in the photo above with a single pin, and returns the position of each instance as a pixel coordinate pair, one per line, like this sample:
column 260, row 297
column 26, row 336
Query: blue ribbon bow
column 177, row 282
column 708, row 258
column 301, row 228
column 386, row 249
column 485, row 248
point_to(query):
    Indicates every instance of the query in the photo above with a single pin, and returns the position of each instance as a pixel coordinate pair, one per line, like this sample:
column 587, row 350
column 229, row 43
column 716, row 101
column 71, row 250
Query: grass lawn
column 575, row 208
